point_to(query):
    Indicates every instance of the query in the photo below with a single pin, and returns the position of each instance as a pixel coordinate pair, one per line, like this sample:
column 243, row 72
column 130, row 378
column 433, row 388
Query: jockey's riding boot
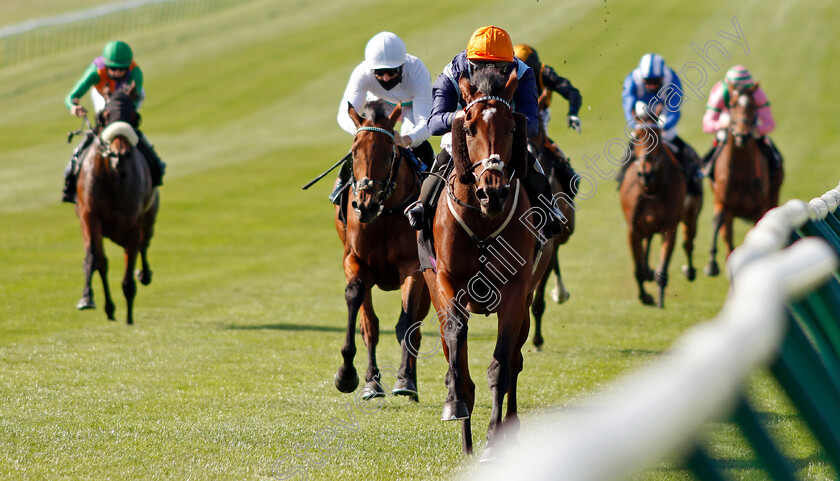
column 71, row 176
column 341, row 183
column 769, row 151
column 540, row 194
column 156, row 166
column 70, row 179
column 428, row 193
column 425, row 154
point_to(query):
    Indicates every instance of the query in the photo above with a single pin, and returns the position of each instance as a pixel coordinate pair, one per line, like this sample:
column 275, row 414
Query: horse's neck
column 739, row 159
column 406, row 183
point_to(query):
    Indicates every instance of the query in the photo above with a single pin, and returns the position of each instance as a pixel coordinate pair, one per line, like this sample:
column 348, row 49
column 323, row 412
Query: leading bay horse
column 742, row 185
column 552, row 160
column 488, row 259
column 380, row 249
column 116, row 200
column 654, row 200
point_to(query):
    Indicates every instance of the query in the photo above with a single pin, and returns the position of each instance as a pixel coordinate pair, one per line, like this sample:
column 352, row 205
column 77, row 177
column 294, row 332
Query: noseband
column 387, row 187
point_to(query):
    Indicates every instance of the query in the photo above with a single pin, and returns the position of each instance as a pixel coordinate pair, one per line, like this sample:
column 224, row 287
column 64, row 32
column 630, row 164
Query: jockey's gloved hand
column 574, row 122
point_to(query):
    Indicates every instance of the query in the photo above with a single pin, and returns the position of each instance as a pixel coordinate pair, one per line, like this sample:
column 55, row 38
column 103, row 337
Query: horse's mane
column 489, row 81
column 375, row 110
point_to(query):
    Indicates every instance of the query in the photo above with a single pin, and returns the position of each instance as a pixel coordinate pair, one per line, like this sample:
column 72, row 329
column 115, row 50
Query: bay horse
column 380, row 249
column 654, row 201
column 116, row 200
column 551, row 158
column 742, row 184
column 487, row 258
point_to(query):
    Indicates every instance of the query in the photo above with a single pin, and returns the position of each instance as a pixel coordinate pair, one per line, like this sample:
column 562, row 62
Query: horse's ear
column 395, row 115
column 106, row 91
column 752, row 89
column 103, row 117
column 354, row 116
column 657, row 110
column 460, row 154
column 518, row 164
column 468, row 91
column 511, row 84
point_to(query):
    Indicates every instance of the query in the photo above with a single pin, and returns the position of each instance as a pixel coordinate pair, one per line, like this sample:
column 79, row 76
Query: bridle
column 494, row 161
column 744, row 121
column 388, row 186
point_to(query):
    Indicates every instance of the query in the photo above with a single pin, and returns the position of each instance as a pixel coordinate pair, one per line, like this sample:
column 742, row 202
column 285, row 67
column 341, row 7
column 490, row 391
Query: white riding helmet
column 652, row 66
column 385, row 50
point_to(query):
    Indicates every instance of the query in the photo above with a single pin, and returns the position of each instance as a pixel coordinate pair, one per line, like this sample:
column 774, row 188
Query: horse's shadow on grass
column 294, row 327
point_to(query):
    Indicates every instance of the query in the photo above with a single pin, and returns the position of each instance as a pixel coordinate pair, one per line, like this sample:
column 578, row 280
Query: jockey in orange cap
column 488, row 49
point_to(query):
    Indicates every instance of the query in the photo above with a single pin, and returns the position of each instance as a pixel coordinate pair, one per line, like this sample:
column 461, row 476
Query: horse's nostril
column 355, row 204
column 481, row 194
column 504, row 193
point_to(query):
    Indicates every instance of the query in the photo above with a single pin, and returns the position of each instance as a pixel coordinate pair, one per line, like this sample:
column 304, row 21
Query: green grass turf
column 229, row 366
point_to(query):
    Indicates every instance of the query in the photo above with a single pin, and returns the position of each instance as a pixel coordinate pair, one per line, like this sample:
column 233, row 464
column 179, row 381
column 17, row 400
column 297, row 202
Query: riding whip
column 316, row 179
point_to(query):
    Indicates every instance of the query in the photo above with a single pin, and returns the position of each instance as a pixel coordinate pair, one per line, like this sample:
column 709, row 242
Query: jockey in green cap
column 107, row 73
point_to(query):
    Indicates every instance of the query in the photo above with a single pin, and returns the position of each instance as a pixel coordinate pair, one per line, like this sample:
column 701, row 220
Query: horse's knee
column 354, row 293
column 129, row 287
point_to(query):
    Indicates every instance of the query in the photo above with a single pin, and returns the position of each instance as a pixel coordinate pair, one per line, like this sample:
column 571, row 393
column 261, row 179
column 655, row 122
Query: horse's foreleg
column 511, row 422
column 512, row 316
column 727, row 233
column 128, row 285
column 689, row 233
column 641, row 265
column 369, row 325
column 144, row 275
column 669, row 238
column 559, row 294
column 346, row 379
column 453, row 330
column 91, row 235
column 712, row 268
column 414, row 310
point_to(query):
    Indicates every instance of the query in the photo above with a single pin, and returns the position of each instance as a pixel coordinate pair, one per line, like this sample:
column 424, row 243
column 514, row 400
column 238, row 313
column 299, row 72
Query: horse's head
column 743, row 113
column 118, row 121
column 375, row 157
column 646, row 142
column 490, row 141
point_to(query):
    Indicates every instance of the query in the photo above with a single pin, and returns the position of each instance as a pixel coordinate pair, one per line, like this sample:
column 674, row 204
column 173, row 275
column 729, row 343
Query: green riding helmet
column 117, row 54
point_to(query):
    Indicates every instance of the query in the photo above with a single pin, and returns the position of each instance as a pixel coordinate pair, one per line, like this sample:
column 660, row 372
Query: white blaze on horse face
column 744, row 100
column 488, row 114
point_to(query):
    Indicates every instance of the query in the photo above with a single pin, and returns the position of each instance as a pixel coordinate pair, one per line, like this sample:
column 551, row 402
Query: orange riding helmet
column 490, row 44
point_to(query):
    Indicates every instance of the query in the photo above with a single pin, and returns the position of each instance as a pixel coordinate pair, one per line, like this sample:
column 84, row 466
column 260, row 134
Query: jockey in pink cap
column 716, row 118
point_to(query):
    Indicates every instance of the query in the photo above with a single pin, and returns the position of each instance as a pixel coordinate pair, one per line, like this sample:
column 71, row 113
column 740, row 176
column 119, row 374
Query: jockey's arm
column 355, row 93
column 714, row 107
column 444, row 105
column 671, row 96
column 525, row 99
column 136, row 76
column 421, row 103
column 766, row 122
column 562, row 86
column 85, row 83
column 629, row 98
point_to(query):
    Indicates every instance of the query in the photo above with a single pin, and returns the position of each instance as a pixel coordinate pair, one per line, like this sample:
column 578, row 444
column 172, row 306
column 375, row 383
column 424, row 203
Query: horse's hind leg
column 128, row 285
column 727, row 233
column 689, row 222
column 415, row 306
column 346, row 379
column 369, row 325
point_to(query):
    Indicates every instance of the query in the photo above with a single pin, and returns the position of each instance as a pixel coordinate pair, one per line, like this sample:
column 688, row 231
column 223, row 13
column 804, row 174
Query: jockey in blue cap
column 654, row 82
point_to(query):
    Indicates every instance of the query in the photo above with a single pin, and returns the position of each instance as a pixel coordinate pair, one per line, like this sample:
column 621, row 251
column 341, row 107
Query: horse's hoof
column 538, row 342
column 145, row 277
column 86, row 303
column 404, row 387
column 712, row 269
column 689, row 272
column 488, row 456
column 372, row 390
column 347, row 384
column 453, row 411
column 559, row 296
column 646, row 299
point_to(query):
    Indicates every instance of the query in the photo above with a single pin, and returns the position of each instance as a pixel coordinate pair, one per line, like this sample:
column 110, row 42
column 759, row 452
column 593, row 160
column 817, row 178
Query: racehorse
column 380, row 249
column 551, row 160
column 742, row 185
column 654, row 200
column 487, row 258
column 116, row 200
